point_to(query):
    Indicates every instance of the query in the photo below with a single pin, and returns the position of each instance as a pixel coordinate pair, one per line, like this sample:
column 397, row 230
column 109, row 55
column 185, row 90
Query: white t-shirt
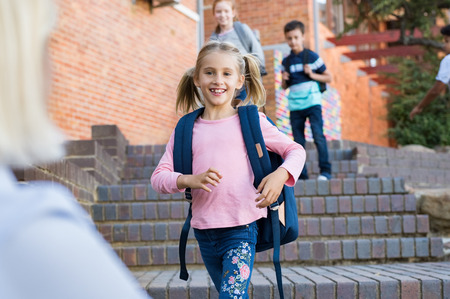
column 444, row 71
column 49, row 248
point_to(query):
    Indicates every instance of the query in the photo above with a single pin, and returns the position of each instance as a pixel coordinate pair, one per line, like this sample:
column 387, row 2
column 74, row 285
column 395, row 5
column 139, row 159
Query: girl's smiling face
column 218, row 78
column 224, row 14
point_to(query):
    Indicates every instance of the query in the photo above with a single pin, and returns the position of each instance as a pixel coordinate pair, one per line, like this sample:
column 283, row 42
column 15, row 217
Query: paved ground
column 408, row 280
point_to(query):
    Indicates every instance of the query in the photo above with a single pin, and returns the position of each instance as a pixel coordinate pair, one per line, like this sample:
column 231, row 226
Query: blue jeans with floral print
column 228, row 254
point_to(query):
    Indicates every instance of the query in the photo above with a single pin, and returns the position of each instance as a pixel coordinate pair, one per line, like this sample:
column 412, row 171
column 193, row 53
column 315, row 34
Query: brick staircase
column 360, row 235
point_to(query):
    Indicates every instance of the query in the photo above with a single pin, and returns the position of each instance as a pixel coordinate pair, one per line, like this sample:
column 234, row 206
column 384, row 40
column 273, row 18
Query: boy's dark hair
column 445, row 30
column 292, row 25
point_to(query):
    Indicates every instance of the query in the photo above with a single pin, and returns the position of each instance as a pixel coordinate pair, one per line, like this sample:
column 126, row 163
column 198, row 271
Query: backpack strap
column 182, row 162
column 243, row 36
column 261, row 165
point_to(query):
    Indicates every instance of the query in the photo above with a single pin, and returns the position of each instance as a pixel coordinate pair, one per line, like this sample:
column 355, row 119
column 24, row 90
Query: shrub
column 431, row 127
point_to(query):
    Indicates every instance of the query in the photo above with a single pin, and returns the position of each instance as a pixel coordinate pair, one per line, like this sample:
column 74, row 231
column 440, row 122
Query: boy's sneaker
column 324, row 176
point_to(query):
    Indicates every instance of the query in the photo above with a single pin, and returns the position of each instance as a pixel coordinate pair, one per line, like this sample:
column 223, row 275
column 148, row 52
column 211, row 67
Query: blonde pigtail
column 188, row 97
column 255, row 89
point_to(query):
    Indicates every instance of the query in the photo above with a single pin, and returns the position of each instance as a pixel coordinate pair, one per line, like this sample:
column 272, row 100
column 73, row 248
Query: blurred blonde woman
column 48, row 247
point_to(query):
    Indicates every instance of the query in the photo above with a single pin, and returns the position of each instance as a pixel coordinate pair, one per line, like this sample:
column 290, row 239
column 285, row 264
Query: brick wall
column 115, row 62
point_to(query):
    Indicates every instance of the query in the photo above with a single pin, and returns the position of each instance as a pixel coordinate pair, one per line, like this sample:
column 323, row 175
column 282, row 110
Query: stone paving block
column 392, row 248
column 397, row 203
column 363, row 247
column 367, row 287
column 340, row 226
column 115, row 193
column 331, row 204
column 310, row 187
column 409, row 224
column 318, row 204
column 326, row 226
column 384, row 204
column 129, row 256
column 299, row 188
column 260, row 286
column 143, row 255
column 199, row 284
column 349, row 249
column 410, row 203
column 374, row 185
column 161, row 231
column 378, row 248
column 422, row 223
column 334, row 250
column 133, row 234
column 177, row 210
column 173, row 255
column 147, row 232
column 97, row 212
column 302, row 227
column 325, row 288
column 407, row 247
column 137, row 211
column 103, row 193
column 304, row 288
column 387, row 185
column 305, row 205
column 357, row 204
column 335, row 187
column 288, row 286
column 304, row 250
column 422, row 247
column 399, row 185
column 313, row 227
column 395, row 224
column 319, row 251
column 345, row 205
column 345, row 288
column 353, row 225
column 436, row 245
column 389, row 288
column 323, row 187
column 381, row 225
column 370, row 203
column 164, row 210
column 127, row 192
column 348, row 186
column 119, row 233
column 175, row 230
column 290, row 251
column 367, row 225
column 123, row 212
column 151, row 210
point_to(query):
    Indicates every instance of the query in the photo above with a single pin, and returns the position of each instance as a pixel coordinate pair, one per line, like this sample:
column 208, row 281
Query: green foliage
column 429, row 128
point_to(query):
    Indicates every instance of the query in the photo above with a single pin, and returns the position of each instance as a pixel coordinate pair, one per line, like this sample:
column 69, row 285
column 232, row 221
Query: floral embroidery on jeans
column 237, row 280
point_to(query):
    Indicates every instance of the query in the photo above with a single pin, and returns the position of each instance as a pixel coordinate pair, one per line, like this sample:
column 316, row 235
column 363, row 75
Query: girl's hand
column 285, row 76
column 271, row 187
column 199, row 181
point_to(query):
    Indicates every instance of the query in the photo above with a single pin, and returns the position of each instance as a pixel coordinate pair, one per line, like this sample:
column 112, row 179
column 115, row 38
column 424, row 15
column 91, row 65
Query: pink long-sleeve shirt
column 220, row 144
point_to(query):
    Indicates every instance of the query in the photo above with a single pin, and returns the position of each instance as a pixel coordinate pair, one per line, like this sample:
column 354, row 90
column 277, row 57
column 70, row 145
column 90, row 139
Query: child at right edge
column 304, row 100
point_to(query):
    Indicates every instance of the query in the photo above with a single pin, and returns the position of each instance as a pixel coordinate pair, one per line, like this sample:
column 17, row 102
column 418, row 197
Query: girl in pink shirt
column 225, row 204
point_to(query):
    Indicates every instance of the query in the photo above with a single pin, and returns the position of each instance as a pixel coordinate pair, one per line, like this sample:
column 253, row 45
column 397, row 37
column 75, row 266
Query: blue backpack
column 271, row 232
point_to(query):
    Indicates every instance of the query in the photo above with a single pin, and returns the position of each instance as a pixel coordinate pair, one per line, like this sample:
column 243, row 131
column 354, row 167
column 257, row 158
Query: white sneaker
column 322, row 178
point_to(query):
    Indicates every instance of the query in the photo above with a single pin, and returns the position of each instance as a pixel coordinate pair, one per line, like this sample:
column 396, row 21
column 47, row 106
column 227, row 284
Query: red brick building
column 118, row 62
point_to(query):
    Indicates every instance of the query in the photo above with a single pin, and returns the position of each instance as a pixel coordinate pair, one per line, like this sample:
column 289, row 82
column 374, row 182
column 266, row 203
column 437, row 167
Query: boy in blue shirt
column 304, row 100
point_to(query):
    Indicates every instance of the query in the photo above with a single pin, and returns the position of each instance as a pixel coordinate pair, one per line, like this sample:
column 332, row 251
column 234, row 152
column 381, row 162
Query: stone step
column 339, row 169
column 311, row 228
column 399, row 280
column 344, row 206
column 301, row 252
column 346, row 186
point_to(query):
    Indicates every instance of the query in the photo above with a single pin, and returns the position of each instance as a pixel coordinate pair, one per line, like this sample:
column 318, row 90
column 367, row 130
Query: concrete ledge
column 409, row 280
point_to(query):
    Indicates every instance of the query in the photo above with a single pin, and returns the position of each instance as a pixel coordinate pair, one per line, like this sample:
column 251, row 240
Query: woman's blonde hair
column 233, row 7
column 189, row 97
column 26, row 134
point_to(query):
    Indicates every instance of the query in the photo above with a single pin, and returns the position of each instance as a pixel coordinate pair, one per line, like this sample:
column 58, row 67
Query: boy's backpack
column 322, row 85
column 245, row 41
column 271, row 232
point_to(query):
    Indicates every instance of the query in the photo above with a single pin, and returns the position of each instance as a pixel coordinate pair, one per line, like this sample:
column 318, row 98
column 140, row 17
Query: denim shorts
column 229, row 254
